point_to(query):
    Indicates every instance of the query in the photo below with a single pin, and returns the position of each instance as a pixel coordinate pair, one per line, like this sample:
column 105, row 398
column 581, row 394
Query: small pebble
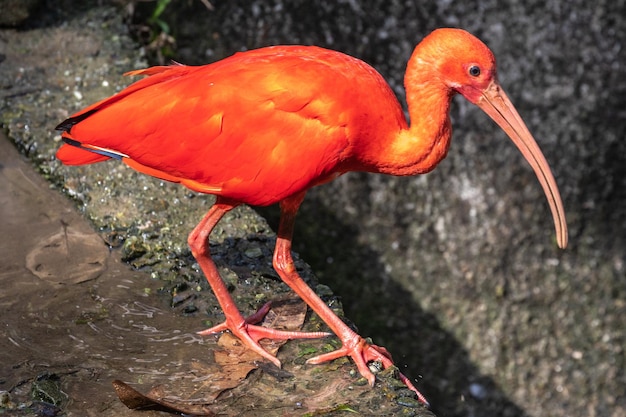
column 477, row 391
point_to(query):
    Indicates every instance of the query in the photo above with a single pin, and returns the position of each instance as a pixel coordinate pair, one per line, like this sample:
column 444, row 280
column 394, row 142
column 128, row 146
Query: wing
column 256, row 127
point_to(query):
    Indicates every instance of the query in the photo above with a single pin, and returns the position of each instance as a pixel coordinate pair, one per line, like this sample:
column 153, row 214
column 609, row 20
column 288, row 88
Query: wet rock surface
column 460, row 266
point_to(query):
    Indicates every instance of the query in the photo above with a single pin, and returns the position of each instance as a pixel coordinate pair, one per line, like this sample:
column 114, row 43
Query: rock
column 16, row 12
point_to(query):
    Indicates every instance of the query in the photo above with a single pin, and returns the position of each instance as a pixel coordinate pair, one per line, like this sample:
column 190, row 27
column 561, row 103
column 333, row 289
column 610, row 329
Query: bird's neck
column 418, row 148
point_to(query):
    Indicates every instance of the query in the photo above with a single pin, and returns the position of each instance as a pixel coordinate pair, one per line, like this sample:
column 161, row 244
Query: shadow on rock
column 389, row 314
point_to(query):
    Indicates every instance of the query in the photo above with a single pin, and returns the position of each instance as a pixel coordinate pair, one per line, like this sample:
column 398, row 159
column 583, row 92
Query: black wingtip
column 67, row 124
column 72, row 142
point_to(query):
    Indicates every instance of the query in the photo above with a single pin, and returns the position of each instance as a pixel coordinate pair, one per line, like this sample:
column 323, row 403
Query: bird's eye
column 474, row 70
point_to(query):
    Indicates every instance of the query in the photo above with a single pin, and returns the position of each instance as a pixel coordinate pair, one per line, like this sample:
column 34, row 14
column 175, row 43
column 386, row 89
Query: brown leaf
column 237, row 361
column 205, row 381
column 286, row 315
column 156, row 400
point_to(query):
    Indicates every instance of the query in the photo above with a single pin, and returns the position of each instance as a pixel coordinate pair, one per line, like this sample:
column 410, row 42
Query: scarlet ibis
column 264, row 126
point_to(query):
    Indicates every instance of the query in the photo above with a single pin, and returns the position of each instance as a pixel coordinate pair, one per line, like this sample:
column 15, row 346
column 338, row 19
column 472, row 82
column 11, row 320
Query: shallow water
column 79, row 333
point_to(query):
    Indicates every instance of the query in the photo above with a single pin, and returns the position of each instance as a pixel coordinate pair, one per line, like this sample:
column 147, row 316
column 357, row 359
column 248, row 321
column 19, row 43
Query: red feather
column 255, row 127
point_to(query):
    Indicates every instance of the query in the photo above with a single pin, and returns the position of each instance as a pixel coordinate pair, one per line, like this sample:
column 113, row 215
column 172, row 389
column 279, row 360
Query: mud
column 78, row 333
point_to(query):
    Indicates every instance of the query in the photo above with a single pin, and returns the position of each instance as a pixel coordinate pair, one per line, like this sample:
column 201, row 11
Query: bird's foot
column 362, row 352
column 249, row 333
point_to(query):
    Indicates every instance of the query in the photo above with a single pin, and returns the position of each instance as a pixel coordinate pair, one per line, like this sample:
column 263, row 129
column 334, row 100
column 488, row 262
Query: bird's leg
column 241, row 327
column 353, row 345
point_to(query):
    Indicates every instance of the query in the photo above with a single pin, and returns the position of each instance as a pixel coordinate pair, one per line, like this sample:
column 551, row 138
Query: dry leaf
column 156, row 400
column 204, row 382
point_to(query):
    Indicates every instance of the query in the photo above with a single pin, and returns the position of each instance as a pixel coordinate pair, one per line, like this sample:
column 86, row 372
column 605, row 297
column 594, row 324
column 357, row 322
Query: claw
column 363, row 352
column 249, row 333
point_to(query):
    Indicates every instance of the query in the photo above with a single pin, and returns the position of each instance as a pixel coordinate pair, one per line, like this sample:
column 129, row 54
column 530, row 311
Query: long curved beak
column 497, row 105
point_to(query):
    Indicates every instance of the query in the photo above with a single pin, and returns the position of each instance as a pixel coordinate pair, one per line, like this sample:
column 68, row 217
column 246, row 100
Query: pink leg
column 243, row 328
column 353, row 345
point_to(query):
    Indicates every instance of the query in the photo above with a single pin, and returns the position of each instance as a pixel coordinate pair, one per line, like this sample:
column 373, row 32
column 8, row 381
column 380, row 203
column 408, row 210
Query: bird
column 262, row 127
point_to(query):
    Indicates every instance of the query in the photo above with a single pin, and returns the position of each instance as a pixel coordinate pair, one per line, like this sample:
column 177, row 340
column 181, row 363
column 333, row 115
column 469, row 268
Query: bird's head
column 465, row 65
